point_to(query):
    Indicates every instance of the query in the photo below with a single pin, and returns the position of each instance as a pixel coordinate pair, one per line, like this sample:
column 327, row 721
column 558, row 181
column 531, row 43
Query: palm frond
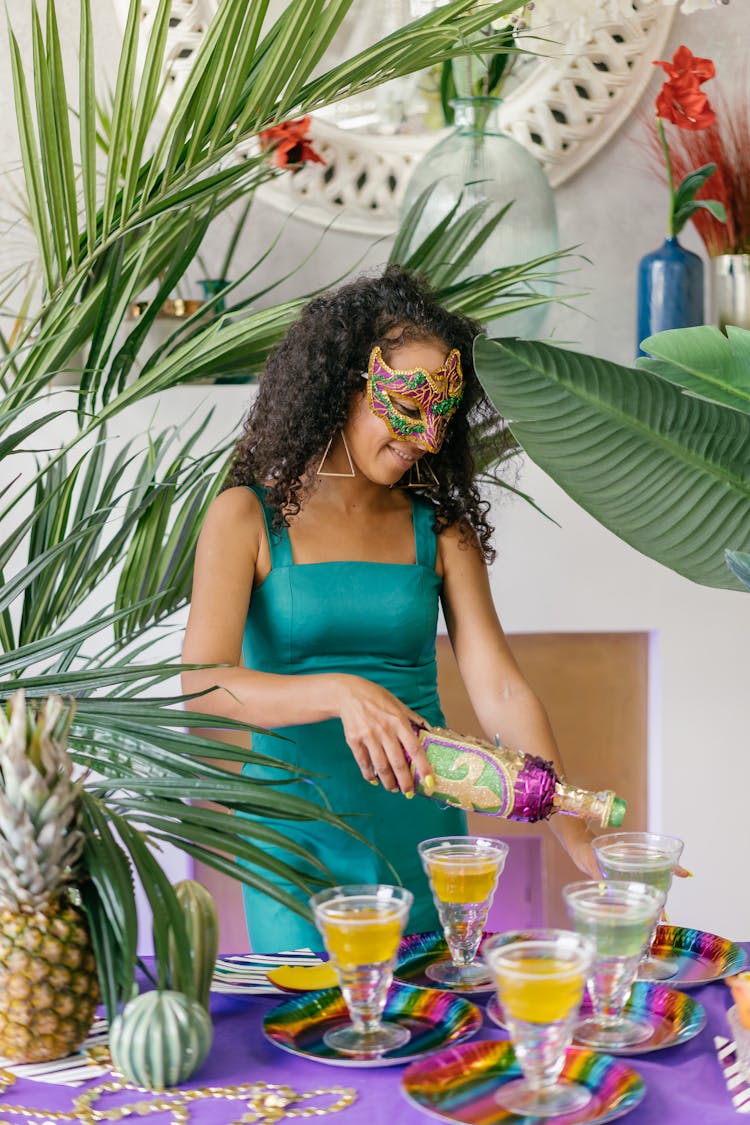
column 109, row 899
column 242, row 80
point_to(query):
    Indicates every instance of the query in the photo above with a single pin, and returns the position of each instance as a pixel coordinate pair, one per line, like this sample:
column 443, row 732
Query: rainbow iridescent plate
column 435, row 1019
column 673, row 1016
column 701, row 957
column 460, row 1084
column 417, row 951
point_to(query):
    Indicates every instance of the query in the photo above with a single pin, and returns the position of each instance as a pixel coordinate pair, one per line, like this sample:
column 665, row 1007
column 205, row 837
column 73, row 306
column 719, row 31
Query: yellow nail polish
column 428, row 784
column 408, row 793
column 687, row 874
column 373, row 781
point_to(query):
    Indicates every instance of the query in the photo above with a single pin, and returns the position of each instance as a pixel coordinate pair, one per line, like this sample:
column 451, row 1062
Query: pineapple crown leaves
column 41, row 839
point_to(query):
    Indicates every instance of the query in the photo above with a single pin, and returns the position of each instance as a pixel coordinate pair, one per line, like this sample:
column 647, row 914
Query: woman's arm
column 502, row 698
column 232, row 549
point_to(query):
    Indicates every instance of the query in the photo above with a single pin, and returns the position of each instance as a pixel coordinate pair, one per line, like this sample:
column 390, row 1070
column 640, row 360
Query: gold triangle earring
column 327, row 473
column 415, row 477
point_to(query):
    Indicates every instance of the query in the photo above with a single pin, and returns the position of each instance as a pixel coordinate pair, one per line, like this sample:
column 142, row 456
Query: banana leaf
column 704, row 362
column 667, row 472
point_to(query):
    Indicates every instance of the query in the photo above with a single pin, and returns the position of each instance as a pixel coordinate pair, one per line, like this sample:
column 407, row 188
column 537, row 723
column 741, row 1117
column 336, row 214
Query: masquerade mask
column 415, row 405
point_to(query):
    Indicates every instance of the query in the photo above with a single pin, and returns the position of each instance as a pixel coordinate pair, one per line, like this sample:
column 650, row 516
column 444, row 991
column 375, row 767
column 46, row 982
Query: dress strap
column 279, row 544
column 425, row 539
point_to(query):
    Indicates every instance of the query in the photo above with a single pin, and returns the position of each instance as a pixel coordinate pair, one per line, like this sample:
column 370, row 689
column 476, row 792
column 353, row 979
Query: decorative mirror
column 564, row 109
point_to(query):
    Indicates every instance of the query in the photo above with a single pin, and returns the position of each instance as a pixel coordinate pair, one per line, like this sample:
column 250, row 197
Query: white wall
column 579, row 576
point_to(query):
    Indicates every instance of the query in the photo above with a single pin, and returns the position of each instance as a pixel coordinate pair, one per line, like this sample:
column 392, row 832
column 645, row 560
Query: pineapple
column 48, row 980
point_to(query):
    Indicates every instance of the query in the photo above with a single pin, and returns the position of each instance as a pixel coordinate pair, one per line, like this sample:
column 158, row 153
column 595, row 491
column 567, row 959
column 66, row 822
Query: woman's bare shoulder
column 457, row 537
column 458, row 551
column 236, row 515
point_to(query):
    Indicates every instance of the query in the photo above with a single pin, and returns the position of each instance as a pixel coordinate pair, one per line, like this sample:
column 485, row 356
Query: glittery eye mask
column 433, row 398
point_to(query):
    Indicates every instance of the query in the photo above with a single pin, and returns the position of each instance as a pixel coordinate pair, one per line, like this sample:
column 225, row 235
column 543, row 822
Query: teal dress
column 379, row 621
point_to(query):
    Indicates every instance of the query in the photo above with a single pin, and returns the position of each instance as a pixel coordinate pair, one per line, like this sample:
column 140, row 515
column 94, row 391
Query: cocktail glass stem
column 656, row 968
column 463, row 925
column 609, row 987
column 365, row 991
column 540, row 1050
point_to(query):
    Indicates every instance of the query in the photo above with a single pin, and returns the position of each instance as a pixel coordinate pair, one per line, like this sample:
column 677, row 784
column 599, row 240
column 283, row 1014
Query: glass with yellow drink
column 540, row 977
column 361, row 926
column 463, row 873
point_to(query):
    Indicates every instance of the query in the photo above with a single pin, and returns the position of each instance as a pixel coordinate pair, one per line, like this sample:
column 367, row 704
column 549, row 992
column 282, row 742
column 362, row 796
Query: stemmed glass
column 463, row 873
column 618, row 917
column 361, row 926
column 642, row 857
column 540, row 977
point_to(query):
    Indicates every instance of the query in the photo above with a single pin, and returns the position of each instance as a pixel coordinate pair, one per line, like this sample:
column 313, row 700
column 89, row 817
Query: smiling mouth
column 407, row 458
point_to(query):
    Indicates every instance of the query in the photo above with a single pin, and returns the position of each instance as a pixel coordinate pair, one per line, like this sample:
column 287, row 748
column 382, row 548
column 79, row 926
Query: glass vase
column 670, row 290
column 478, row 163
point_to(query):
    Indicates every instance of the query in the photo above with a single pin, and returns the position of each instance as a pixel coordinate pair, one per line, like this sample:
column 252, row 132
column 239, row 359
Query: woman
column 349, row 514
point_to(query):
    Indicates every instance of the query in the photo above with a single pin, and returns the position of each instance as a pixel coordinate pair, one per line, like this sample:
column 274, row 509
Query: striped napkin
column 245, row 973
column 737, row 1085
column 73, row 1070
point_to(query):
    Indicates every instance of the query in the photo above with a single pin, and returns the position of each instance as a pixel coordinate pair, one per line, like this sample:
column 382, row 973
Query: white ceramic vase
column 730, row 290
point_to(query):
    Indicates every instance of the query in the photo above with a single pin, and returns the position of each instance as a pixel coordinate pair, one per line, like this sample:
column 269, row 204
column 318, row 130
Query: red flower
column 684, row 64
column 682, row 102
column 289, row 143
column 681, row 99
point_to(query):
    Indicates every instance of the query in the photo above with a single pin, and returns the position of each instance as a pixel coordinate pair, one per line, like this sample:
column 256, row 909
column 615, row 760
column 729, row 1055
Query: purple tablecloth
column 685, row 1084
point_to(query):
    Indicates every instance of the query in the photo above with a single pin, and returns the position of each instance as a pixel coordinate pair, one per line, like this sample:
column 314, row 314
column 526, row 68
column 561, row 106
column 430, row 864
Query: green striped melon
column 160, row 1039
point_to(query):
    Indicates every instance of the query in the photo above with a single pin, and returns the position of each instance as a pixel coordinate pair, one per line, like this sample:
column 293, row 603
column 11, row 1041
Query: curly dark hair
column 305, row 395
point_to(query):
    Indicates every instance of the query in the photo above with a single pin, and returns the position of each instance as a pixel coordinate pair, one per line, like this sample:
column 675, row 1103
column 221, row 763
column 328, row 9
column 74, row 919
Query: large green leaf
column 667, row 472
column 705, row 362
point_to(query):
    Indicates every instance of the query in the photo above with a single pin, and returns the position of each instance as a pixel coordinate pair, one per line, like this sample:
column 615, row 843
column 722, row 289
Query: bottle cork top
column 617, row 815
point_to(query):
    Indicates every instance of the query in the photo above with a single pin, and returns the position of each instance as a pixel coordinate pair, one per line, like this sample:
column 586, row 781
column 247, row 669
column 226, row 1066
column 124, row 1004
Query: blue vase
column 670, row 290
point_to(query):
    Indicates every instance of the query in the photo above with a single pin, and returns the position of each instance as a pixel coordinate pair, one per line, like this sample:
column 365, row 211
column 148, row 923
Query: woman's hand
column 583, row 857
column 378, row 729
column 576, row 837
